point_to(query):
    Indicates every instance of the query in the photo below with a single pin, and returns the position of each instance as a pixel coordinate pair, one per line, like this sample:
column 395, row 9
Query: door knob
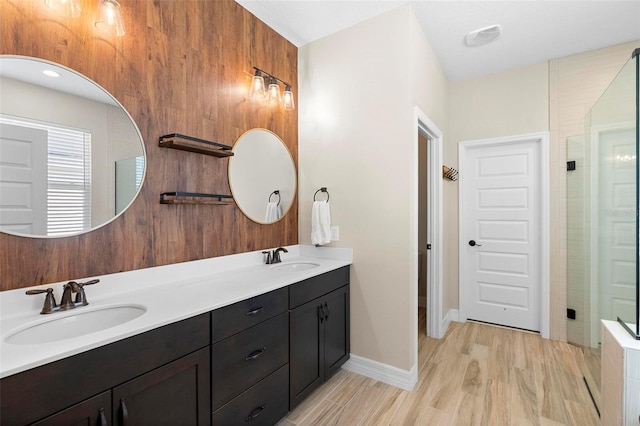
column 473, row 243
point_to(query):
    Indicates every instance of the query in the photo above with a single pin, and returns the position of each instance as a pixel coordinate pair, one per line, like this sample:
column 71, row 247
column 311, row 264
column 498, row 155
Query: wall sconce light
column 272, row 93
column 70, row 8
column 110, row 18
column 287, row 99
column 257, row 90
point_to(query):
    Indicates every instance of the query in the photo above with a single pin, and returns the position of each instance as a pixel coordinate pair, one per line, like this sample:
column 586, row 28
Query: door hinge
column 428, row 246
column 571, row 165
column 571, row 314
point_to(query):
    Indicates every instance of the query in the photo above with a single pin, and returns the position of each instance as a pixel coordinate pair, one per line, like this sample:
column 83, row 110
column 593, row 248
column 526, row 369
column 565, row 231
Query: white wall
column 356, row 137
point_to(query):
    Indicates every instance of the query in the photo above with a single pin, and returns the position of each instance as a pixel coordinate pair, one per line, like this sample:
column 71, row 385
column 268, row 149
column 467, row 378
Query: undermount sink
column 295, row 266
column 78, row 324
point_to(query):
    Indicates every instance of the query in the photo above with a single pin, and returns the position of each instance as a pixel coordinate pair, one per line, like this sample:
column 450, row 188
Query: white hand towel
column 273, row 212
column 320, row 223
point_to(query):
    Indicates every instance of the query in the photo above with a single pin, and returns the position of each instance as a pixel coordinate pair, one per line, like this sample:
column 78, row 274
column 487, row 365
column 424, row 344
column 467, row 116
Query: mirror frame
column 295, row 177
column 133, row 122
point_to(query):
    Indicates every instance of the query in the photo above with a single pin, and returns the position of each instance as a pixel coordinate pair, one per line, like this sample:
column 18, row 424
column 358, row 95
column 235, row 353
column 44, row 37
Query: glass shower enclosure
column 603, row 206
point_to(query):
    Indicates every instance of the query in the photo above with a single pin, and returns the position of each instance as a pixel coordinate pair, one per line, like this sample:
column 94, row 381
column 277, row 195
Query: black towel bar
column 323, row 189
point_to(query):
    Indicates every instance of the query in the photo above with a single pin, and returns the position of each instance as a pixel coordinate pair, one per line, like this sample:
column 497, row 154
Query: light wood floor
column 477, row 375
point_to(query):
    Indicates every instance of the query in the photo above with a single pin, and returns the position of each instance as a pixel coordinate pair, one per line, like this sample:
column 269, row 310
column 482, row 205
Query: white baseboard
column 422, row 301
column 388, row 374
column 452, row 315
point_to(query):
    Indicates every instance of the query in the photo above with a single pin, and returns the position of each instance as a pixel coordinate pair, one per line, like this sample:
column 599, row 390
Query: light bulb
column 287, row 99
column 257, row 90
column 274, row 92
column 110, row 18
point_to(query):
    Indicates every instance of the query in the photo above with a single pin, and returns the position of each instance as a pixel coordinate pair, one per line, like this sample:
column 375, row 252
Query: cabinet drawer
column 317, row 286
column 263, row 404
column 240, row 361
column 234, row 318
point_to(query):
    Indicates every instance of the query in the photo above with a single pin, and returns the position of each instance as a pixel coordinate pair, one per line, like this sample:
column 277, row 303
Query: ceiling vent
column 482, row 36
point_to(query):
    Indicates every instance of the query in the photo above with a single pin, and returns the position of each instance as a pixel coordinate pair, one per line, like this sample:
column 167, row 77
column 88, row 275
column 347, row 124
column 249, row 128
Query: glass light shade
column 69, row 8
column 287, row 99
column 257, row 90
column 274, row 92
column 110, row 18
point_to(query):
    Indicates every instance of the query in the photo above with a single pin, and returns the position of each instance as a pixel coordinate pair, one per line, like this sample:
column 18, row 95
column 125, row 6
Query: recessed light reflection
column 50, row 73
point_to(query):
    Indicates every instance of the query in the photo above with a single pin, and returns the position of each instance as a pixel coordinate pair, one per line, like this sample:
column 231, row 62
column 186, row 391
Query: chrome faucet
column 274, row 257
column 66, row 302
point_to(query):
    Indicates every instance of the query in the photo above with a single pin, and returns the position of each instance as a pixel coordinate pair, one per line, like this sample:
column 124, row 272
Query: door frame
column 435, row 324
column 541, row 138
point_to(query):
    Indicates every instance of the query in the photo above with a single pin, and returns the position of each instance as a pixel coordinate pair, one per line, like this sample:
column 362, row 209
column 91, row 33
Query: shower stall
column 602, row 216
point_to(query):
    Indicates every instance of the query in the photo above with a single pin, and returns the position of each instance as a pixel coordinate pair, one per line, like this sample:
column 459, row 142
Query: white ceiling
column 532, row 31
column 29, row 70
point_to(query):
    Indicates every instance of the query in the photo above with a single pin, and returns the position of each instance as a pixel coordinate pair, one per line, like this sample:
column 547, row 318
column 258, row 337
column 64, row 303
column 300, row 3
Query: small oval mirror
column 72, row 157
column 262, row 176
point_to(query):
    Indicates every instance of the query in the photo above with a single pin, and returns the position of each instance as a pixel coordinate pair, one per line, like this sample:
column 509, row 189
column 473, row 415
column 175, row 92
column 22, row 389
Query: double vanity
column 227, row 340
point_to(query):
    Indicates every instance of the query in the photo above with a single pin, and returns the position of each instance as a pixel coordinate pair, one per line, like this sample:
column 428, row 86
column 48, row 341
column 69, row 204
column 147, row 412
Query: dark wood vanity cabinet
column 248, row 363
column 169, row 365
column 250, row 360
column 319, row 332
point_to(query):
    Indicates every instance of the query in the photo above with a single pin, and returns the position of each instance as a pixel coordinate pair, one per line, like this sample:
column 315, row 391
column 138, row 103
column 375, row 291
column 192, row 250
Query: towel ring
column 323, row 189
column 276, row 192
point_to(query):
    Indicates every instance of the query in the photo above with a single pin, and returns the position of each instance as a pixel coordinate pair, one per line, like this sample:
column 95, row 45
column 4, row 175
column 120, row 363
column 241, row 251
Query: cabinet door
column 93, row 411
column 177, row 393
column 306, row 356
column 336, row 331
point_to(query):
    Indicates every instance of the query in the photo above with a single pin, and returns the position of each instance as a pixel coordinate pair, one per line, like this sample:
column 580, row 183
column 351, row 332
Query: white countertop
column 624, row 338
column 169, row 293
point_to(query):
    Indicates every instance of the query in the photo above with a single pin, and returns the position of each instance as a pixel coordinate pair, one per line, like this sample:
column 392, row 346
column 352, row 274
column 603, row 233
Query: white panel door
column 501, row 254
column 617, row 224
column 23, row 179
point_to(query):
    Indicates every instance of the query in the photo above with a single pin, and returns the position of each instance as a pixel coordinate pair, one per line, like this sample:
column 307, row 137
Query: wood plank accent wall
column 183, row 66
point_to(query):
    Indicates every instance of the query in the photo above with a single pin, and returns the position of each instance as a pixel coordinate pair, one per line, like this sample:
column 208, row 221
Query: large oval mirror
column 262, row 176
column 71, row 157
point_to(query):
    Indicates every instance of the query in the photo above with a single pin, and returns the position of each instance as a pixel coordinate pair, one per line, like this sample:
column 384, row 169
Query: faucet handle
column 268, row 259
column 49, row 300
column 80, row 295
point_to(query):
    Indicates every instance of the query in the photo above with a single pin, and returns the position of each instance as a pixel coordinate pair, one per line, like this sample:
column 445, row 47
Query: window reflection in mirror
column 62, row 141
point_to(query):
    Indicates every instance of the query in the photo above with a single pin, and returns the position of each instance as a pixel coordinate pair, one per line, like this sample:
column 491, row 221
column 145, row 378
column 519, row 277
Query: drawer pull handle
column 255, row 413
column 103, row 417
column 255, row 354
column 321, row 314
column 254, row 311
column 326, row 311
column 124, row 412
